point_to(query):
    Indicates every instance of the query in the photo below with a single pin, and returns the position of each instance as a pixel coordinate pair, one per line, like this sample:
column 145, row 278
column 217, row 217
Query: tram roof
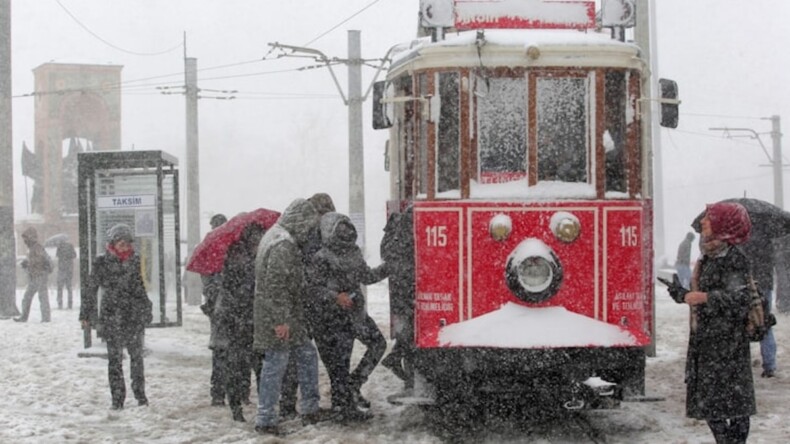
column 516, row 48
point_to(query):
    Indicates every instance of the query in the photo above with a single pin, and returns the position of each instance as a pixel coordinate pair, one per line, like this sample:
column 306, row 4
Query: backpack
column 760, row 319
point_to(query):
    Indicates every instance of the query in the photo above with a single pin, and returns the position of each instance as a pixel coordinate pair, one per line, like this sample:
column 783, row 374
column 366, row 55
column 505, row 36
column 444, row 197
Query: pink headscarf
column 729, row 222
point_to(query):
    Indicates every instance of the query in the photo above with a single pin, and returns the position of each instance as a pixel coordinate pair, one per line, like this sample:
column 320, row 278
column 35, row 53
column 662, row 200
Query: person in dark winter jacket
column 323, row 204
column 124, row 312
column 235, row 314
column 38, row 266
column 719, row 386
column 683, row 261
column 280, row 325
column 66, row 255
column 338, row 315
column 218, row 338
column 397, row 250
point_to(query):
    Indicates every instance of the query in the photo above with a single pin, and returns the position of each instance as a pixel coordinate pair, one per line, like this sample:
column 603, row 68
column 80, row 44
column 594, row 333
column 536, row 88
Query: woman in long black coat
column 125, row 311
column 719, row 382
column 235, row 316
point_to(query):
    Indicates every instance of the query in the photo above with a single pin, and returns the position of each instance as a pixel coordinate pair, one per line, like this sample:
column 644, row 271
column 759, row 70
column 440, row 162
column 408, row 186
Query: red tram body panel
column 460, row 268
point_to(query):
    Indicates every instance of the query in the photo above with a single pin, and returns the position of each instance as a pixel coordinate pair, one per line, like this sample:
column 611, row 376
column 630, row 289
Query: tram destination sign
column 508, row 14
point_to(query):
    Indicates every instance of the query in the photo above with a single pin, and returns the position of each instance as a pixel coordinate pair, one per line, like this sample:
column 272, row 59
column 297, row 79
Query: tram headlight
column 533, row 272
column 565, row 226
column 500, row 227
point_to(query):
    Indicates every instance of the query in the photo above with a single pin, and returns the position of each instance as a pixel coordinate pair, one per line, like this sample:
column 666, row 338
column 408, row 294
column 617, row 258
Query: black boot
column 237, row 413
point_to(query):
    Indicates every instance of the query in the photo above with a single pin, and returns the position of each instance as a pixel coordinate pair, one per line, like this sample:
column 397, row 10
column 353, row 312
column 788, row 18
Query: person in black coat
column 337, row 313
column 38, row 266
column 66, row 255
column 719, row 385
column 397, row 250
column 124, row 311
column 235, row 315
column 218, row 338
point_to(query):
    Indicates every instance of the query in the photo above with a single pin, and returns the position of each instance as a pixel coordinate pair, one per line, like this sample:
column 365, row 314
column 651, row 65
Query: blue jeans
column 768, row 344
column 275, row 362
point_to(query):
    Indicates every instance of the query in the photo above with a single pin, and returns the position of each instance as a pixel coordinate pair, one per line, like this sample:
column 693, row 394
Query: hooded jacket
column 338, row 266
column 279, row 277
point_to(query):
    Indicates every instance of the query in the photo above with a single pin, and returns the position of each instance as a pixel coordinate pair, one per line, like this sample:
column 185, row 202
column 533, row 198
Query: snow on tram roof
column 557, row 48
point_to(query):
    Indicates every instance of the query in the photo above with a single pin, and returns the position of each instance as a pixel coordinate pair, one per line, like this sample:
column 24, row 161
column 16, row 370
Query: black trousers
column 334, row 344
column 367, row 332
column 240, row 365
column 35, row 285
column 64, row 282
column 219, row 370
column 115, row 346
column 730, row 431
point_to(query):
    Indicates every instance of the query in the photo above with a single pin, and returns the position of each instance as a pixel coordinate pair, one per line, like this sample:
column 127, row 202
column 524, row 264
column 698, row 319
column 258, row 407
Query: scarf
column 709, row 247
column 121, row 256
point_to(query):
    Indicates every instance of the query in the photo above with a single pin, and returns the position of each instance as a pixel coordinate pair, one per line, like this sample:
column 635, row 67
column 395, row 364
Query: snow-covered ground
column 49, row 395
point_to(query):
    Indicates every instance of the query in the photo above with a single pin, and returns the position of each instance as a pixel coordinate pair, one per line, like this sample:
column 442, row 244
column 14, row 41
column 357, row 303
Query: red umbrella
column 209, row 255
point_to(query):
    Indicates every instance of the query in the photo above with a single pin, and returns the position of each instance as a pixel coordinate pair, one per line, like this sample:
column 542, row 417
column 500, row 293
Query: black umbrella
column 768, row 221
column 54, row 241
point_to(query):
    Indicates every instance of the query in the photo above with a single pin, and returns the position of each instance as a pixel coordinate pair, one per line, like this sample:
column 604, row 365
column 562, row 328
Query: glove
column 676, row 290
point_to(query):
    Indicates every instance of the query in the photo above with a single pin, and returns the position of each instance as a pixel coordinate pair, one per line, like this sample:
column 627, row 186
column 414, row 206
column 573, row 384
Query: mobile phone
column 666, row 282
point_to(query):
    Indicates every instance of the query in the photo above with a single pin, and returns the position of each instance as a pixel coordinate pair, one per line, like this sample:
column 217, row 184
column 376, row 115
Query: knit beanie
column 729, row 222
column 120, row 232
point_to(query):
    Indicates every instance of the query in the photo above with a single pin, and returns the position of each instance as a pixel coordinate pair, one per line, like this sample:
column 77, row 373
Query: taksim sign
column 488, row 14
column 131, row 201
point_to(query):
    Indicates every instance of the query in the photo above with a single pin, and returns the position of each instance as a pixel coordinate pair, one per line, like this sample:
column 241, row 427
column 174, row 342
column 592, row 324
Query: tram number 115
column 436, row 236
column 628, row 236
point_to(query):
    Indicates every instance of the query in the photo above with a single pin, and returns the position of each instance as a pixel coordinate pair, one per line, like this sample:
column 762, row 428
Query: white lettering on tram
column 435, row 302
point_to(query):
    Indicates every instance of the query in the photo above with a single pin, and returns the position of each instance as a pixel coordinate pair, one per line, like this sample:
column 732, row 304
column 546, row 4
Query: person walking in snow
column 235, row 316
column 719, row 386
column 125, row 311
column 38, row 266
column 683, row 261
column 66, row 254
column 338, row 314
column 280, row 327
column 218, row 338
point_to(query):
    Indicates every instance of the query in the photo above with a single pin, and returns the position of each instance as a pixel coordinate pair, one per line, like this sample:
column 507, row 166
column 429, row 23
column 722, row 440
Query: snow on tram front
column 520, row 153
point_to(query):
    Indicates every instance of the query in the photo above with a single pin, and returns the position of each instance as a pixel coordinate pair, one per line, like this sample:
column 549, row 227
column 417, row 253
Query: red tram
column 521, row 154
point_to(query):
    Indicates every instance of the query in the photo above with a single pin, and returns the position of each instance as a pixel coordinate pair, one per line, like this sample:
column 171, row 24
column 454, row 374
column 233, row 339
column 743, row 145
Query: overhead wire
column 98, row 37
column 341, row 23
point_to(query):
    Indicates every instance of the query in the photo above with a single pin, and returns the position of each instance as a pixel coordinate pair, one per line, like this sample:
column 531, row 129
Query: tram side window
column 562, row 129
column 422, row 139
column 502, row 117
column 447, row 156
column 614, row 138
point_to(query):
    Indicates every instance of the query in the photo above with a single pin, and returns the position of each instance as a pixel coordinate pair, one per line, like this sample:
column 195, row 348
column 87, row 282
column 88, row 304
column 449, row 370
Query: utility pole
column 193, row 286
column 7, row 241
column 776, row 136
column 356, row 159
column 776, row 161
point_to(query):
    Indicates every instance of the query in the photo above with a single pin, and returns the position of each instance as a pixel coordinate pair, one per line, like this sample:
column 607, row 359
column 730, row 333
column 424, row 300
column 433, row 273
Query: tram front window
column 502, row 113
column 562, row 129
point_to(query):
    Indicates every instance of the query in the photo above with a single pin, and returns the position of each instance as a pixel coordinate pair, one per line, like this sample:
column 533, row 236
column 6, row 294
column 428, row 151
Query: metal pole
column 356, row 160
column 193, row 287
column 7, row 241
column 643, row 34
column 776, row 135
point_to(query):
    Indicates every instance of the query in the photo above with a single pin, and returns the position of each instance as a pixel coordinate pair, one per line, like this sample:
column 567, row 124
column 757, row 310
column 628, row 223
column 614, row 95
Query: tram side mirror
column 669, row 103
column 381, row 118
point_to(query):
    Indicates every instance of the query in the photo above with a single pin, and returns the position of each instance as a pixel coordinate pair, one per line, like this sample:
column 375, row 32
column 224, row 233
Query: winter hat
column 217, row 220
column 30, row 234
column 120, row 232
column 729, row 222
column 322, row 202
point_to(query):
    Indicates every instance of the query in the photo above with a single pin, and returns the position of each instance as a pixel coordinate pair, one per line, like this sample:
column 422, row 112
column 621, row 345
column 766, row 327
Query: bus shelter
column 139, row 189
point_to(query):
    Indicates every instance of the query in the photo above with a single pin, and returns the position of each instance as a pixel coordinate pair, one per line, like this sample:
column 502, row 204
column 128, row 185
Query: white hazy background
column 286, row 134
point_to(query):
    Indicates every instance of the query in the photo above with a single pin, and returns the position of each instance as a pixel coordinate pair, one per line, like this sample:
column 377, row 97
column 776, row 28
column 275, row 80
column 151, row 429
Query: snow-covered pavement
column 49, row 395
